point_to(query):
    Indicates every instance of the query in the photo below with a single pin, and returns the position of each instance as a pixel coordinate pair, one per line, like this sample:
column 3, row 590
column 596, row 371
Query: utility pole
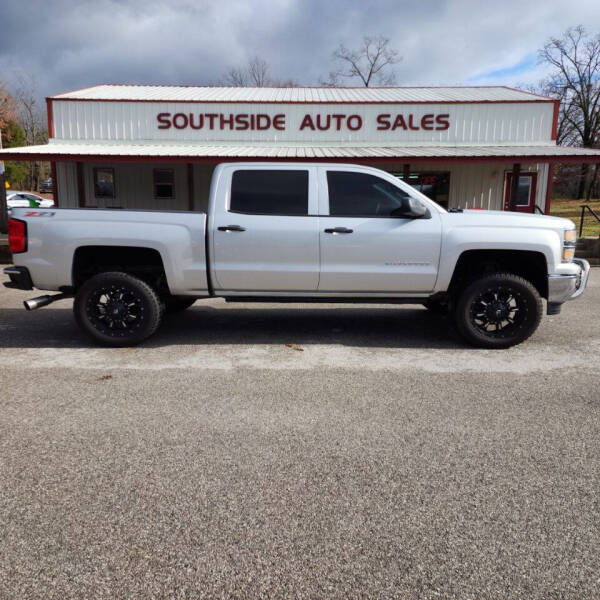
column 3, row 211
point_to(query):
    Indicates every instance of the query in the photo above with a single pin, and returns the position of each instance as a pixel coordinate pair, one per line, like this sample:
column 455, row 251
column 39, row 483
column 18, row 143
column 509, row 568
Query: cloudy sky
column 61, row 45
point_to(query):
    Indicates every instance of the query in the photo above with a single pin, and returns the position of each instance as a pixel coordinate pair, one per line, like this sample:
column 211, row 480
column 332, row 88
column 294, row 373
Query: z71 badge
column 40, row 213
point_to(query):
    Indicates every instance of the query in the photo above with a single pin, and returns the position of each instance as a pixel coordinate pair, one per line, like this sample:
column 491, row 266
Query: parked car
column 300, row 232
column 16, row 199
column 46, row 186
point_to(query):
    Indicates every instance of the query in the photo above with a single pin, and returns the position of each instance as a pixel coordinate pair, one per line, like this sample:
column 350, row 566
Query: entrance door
column 368, row 243
column 525, row 192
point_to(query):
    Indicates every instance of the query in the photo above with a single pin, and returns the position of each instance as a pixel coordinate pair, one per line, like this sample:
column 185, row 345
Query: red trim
column 325, row 102
column 50, row 114
column 549, row 185
column 590, row 158
column 54, row 183
column 555, row 119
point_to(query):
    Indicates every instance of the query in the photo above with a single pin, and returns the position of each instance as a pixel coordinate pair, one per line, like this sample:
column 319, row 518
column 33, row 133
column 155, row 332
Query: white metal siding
column 471, row 185
column 66, row 181
column 481, row 185
column 134, row 187
column 202, row 180
column 485, row 124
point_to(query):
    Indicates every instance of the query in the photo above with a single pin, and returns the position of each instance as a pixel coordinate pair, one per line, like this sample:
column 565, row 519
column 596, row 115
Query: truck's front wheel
column 117, row 309
column 498, row 311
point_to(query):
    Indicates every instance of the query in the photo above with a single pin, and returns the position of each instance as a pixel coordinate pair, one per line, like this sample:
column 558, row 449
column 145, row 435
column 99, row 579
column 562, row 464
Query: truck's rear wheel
column 498, row 311
column 117, row 309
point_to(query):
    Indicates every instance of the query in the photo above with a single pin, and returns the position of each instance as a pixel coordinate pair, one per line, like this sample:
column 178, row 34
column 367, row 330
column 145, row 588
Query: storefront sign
column 310, row 122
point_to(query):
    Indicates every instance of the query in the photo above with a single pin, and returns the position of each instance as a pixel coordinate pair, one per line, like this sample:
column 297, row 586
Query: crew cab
column 304, row 232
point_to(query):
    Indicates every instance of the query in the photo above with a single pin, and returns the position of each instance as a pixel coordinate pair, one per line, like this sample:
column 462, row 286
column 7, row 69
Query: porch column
column 3, row 207
column 514, row 186
column 54, row 183
column 549, row 185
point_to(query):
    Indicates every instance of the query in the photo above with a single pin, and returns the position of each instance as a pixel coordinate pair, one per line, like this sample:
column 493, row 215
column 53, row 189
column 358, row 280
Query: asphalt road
column 278, row 452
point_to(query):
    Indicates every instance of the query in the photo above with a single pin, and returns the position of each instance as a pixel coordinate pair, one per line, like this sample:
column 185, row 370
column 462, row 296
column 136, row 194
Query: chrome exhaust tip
column 35, row 303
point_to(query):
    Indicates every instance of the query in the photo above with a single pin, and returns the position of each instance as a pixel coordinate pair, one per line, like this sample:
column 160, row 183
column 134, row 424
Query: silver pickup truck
column 308, row 232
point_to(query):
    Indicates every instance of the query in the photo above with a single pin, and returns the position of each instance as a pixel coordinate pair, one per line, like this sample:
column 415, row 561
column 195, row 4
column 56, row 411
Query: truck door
column 366, row 243
column 265, row 232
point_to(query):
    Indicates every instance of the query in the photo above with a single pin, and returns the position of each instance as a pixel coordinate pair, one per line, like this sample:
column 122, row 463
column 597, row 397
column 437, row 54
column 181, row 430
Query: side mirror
column 413, row 210
column 417, row 209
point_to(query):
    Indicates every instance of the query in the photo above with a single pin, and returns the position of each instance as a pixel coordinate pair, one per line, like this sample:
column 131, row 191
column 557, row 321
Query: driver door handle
column 231, row 228
column 339, row 230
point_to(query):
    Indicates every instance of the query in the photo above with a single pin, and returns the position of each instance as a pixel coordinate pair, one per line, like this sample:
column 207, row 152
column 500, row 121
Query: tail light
column 17, row 236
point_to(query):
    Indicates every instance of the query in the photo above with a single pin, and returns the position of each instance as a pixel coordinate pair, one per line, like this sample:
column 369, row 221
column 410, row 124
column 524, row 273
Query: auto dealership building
column 155, row 147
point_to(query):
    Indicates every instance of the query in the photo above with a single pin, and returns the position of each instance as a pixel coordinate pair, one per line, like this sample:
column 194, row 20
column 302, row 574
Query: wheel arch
column 143, row 262
column 529, row 264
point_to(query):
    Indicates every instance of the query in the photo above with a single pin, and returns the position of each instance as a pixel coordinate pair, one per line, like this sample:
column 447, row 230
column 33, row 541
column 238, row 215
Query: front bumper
column 568, row 287
column 20, row 279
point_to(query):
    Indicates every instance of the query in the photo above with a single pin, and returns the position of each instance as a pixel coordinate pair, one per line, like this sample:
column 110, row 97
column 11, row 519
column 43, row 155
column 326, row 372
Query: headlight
column 569, row 243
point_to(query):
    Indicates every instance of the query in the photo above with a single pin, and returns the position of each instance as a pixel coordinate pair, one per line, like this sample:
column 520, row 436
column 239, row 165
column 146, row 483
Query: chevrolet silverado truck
column 301, row 232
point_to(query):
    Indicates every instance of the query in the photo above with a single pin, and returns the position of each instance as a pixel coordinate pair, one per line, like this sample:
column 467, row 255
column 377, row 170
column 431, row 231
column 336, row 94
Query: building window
column 435, row 185
column 269, row 192
column 361, row 195
column 104, row 183
column 164, row 184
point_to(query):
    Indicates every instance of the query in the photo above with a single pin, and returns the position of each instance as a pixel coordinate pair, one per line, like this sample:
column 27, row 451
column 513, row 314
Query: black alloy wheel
column 117, row 309
column 498, row 311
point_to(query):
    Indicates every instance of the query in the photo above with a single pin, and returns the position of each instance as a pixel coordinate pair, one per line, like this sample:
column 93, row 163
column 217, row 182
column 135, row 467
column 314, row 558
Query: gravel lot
column 328, row 452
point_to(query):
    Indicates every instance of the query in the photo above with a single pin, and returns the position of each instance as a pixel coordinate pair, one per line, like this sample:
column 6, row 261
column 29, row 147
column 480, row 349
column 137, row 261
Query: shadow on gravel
column 395, row 327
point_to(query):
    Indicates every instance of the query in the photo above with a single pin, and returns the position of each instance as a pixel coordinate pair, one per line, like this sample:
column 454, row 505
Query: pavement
column 317, row 451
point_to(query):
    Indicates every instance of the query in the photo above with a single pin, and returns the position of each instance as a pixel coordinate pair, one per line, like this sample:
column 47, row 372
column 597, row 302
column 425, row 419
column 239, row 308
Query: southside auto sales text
column 319, row 122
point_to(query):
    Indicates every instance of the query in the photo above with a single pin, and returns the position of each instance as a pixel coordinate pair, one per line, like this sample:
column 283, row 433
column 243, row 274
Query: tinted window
column 276, row 192
column 359, row 194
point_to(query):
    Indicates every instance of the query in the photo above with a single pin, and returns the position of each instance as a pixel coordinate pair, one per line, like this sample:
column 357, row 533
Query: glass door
column 525, row 192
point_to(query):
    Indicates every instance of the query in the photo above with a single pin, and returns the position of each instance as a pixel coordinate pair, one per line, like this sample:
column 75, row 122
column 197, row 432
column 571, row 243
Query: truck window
column 269, row 192
column 362, row 195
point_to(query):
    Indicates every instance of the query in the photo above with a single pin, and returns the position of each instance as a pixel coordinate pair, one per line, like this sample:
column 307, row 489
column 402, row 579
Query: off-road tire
column 487, row 300
column 117, row 309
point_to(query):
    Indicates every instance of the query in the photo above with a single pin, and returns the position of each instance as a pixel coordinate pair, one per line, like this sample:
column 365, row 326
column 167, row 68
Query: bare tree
column 8, row 107
column 372, row 62
column 575, row 81
column 256, row 73
column 32, row 119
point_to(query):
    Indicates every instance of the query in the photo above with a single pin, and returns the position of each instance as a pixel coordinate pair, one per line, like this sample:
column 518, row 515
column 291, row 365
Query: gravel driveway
column 274, row 452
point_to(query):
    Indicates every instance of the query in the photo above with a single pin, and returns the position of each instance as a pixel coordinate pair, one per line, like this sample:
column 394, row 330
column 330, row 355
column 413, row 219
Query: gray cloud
column 66, row 44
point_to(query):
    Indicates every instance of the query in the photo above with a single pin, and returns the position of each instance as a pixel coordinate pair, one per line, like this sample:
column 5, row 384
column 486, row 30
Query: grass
column 571, row 209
